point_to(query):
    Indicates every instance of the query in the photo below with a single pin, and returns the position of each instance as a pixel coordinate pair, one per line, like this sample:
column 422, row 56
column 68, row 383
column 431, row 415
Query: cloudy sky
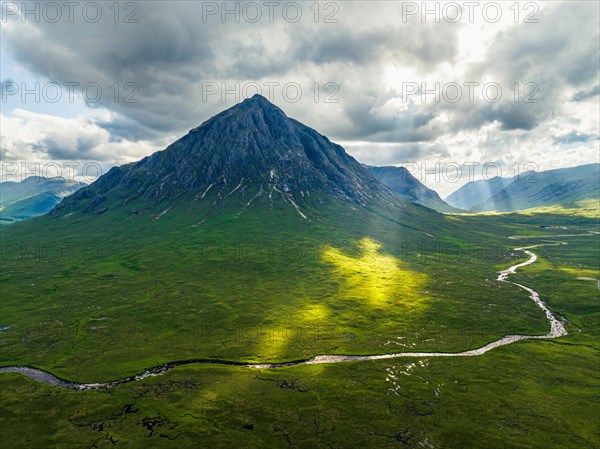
column 432, row 87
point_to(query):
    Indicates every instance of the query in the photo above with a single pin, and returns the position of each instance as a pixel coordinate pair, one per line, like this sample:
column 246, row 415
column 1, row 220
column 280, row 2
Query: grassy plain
column 226, row 291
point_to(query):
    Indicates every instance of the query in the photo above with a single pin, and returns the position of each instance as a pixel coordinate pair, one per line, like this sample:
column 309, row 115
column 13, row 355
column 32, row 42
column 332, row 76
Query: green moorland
column 261, row 286
column 224, row 291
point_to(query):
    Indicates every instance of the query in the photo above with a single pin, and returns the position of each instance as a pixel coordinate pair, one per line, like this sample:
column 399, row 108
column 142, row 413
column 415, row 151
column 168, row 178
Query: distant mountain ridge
column 562, row 186
column 476, row 192
column 34, row 196
column 404, row 184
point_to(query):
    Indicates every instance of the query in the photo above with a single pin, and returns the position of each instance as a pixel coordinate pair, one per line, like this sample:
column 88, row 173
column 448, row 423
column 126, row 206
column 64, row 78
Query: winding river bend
column 557, row 329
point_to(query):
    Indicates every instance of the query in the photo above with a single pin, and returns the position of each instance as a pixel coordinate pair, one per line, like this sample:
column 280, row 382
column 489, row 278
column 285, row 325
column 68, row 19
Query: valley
column 422, row 399
column 252, row 285
column 416, row 398
column 322, row 225
column 557, row 329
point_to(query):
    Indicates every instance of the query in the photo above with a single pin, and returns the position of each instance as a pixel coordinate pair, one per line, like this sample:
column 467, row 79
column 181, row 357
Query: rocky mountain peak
column 248, row 151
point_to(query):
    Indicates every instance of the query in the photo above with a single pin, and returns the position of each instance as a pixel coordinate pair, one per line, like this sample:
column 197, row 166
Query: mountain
column 476, row 192
column 404, row 184
column 250, row 155
column 249, row 175
column 250, row 221
column 34, row 196
column 563, row 186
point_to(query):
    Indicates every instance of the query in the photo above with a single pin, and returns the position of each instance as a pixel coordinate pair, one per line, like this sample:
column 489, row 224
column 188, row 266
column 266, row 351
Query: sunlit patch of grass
column 298, row 335
column 374, row 277
column 581, row 272
column 585, row 208
column 314, row 313
column 275, row 343
column 589, row 208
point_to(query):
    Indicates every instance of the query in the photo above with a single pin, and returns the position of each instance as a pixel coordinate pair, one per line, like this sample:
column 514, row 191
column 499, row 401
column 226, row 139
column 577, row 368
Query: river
column 557, row 329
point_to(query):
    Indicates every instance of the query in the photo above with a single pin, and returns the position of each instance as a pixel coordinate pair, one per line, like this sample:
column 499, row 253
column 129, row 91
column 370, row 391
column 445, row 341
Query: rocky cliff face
column 250, row 150
column 400, row 181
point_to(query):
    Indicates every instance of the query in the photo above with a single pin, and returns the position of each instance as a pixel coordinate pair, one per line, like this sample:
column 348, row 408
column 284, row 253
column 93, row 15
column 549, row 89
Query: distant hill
column 33, row 196
column 400, row 181
column 563, row 186
column 476, row 192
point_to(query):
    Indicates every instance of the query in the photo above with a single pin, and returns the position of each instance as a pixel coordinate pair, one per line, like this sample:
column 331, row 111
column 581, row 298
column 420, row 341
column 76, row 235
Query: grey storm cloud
column 52, row 149
column 424, row 45
column 400, row 153
column 514, row 117
column 511, row 116
column 121, row 127
column 171, row 52
column 81, row 149
column 559, row 48
column 575, row 137
column 401, row 127
column 553, row 56
column 583, row 95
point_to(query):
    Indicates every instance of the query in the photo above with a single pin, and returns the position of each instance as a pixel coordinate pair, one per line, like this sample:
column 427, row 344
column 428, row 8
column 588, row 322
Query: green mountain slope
column 564, row 186
column 405, row 185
